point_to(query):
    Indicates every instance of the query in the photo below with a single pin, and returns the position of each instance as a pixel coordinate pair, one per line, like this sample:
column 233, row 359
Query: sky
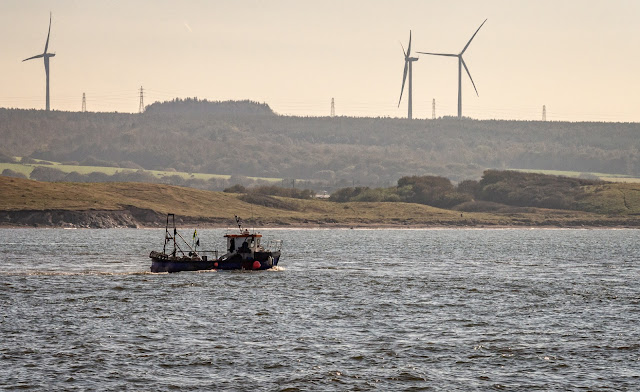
column 579, row 58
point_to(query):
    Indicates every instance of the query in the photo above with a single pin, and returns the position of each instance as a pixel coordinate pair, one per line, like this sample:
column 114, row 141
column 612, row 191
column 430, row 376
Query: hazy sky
column 580, row 58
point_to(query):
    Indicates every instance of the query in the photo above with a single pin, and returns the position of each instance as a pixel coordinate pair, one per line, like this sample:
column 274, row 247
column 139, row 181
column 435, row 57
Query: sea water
column 357, row 310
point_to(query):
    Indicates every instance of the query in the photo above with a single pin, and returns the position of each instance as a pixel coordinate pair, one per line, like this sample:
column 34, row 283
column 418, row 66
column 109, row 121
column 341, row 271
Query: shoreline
column 135, row 217
column 337, row 227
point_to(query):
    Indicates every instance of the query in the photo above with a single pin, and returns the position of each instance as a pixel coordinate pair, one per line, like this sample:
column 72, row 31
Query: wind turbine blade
column 34, row 57
column 403, row 51
column 469, row 73
column 439, row 54
column 404, row 79
column 474, row 34
column 409, row 48
column 49, row 33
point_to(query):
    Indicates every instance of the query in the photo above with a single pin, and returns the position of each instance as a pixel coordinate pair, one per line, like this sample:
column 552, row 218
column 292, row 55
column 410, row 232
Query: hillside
column 44, row 204
column 247, row 139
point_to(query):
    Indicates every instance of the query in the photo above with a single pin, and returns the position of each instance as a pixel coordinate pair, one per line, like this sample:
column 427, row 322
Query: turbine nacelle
column 407, row 71
column 461, row 64
column 45, row 56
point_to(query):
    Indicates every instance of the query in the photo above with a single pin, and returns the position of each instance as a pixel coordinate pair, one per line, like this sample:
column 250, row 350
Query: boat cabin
column 245, row 242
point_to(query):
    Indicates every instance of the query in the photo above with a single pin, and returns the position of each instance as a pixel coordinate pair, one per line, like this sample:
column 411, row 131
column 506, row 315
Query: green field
column 26, row 169
column 603, row 176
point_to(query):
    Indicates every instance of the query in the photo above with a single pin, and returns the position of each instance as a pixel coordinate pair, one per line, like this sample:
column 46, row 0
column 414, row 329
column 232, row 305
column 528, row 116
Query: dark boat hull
column 164, row 263
column 267, row 260
column 159, row 265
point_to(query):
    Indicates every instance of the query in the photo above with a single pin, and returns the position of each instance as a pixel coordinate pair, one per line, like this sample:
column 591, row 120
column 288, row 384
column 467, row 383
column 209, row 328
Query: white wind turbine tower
column 46, row 57
column 461, row 64
column 408, row 61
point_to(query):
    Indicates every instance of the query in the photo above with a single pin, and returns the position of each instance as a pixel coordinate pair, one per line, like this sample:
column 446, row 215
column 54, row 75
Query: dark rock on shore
column 131, row 216
column 95, row 219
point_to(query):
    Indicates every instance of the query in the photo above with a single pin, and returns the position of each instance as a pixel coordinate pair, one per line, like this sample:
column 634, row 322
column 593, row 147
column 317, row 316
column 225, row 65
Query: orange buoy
column 256, row 264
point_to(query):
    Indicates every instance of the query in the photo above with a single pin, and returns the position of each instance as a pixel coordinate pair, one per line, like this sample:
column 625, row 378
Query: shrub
column 42, row 173
column 430, row 190
column 468, row 186
column 344, row 195
column 370, row 195
column 273, row 190
column 237, row 188
column 11, row 173
column 76, row 177
column 532, row 189
column 28, row 161
column 97, row 177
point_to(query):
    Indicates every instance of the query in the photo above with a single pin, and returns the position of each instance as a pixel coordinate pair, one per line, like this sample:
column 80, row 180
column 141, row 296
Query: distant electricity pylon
column 333, row 108
column 141, row 108
column 84, row 103
column 433, row 109
column 544, row 112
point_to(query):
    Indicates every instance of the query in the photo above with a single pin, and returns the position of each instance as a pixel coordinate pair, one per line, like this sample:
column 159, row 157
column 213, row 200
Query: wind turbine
column 461, row 64
column 408, row 61
column 45, row 56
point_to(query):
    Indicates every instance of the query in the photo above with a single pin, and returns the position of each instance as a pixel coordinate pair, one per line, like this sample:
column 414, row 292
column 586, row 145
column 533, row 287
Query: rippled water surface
column 348, row 310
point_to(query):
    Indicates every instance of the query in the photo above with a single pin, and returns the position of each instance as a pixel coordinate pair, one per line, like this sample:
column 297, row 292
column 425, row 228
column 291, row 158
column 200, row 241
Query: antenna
column 544, row 112
column 239, row 223
column 333, row 108
column 141, row 108
column 433, row 109
column 84, row 103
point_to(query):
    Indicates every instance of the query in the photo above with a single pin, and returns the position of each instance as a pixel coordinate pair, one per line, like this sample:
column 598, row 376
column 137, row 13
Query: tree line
column 494, row 189
column 247, row 139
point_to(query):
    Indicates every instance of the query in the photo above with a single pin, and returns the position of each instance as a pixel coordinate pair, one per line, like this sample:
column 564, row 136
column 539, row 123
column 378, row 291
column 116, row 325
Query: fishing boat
column 244, row 251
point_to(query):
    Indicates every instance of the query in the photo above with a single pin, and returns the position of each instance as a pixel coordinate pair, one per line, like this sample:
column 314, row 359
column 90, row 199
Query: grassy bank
column 206, row 206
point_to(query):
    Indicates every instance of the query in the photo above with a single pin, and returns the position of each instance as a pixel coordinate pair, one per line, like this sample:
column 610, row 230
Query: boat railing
column 211, row 254
column 274, row 245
